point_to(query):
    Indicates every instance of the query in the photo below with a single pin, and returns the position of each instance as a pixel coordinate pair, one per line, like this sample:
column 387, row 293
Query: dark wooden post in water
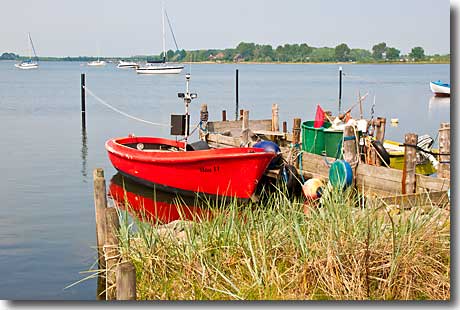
column 275, row 118
column 126, row 281
column 100, row 205
column 410, row 158
column 296, row 138
column 112, row 254
column 83, row 101
column 241, row 114
column 444, row 151
column 340, row 90
column 237, row 95
column 350, row 153
column 224, row 115
column 284, row 126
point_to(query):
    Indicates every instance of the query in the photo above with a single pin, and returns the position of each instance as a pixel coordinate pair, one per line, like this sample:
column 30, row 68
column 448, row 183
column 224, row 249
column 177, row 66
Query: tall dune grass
column 347, row 249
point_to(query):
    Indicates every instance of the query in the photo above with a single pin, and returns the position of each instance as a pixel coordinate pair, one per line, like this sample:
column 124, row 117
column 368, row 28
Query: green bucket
column 333, row 143
column 313, row 138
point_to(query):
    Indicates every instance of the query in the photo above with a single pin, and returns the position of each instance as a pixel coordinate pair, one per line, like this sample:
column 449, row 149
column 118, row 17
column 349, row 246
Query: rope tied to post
column 121, row 112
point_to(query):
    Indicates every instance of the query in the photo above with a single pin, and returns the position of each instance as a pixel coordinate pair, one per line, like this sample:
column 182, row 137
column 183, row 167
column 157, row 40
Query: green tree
column 246, row 50
column 378, row 50
column 359, row 54
column 417, row 53
column 342, row 52
column 393, row 53
column 322, row 54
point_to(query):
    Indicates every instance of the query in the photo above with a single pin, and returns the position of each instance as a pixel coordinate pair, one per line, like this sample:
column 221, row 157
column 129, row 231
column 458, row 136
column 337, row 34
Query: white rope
column 121, row 112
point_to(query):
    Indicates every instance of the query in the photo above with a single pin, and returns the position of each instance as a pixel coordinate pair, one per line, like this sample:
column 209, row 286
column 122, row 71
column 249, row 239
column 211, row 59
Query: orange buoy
column 313, row 188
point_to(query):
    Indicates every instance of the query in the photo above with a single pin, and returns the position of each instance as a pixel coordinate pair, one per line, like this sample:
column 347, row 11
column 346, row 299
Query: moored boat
column 29, row 63
column 127, row 64
column 440, row 89
column 96, row 63
column 165, row 68
column 165, row 164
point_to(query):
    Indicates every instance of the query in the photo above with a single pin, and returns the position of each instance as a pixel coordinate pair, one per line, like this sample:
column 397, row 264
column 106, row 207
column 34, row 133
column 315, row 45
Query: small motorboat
column 167, row 165
column 440, row 89
column 127, row 64
column 178, row 167
column 162, row 68
column 25, row 65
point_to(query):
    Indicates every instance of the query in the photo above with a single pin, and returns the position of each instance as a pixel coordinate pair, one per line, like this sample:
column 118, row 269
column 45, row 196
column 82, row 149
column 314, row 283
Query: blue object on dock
column 340, row 174
column 270, row 146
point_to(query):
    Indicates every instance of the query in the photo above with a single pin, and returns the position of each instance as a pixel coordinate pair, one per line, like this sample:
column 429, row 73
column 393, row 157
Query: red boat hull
column 231, row 172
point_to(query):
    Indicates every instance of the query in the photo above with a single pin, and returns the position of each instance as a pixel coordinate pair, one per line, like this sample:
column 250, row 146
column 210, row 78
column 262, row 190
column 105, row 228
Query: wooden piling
column 204, row 117
column 275, row 117
column 245, row 128
column 224, row 115
column 444, row 151
column 350, row 152
column 83, row 101
column 100, row 204
column 296, row 138
column 236, row 94
column 284, row 127
column 112, row 254
column 380, row 129
column 126, row 281
column 241, row 114
column 410, row 158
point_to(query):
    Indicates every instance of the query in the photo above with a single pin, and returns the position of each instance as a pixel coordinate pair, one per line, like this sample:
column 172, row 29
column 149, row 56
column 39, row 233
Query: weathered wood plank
column 235, row 126
column 438, row 198
column 221, row 139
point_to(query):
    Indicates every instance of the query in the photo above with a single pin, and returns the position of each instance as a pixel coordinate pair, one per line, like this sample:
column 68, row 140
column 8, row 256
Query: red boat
column 164, row 164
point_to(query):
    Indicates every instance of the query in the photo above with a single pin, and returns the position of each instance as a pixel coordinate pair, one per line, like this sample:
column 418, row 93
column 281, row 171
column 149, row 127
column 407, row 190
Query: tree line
column 296, row 53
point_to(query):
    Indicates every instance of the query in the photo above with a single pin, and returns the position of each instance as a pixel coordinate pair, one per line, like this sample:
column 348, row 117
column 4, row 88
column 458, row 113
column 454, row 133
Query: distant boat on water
column 440, row 89
column 127, row 64
column 96, row 63
column 29, row 63
column 161, row 67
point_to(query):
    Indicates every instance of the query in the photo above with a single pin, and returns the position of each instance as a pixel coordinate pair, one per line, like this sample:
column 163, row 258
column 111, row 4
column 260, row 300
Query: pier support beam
column 126, row 281
column 444, row 151
column 112, row 254
column 410, row 158
column 350, row 152
column 275, row 118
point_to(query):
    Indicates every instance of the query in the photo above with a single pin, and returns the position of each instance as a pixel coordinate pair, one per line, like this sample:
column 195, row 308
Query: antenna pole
column 163, row 23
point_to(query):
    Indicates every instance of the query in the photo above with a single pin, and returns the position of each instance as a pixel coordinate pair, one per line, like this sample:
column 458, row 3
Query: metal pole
column 83, row 103
column 236, row 90
column 340, row 90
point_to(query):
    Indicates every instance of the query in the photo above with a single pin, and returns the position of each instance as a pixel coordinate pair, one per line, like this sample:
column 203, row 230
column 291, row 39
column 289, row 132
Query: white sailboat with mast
column 98, row 62
column 161, row 67
column 29, row 63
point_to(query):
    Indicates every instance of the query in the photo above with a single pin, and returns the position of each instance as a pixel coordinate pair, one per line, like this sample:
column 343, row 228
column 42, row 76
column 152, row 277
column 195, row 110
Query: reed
column 350, row 248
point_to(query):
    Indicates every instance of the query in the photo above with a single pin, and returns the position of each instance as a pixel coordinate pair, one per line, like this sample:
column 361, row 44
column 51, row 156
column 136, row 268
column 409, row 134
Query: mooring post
column 241, row 114
column 245, row 128
column 112, row 254
column 284, row 127
column 204, row 116
column 296, row 138
column 100, row 204
column 380, row 129
column 350, row 153
column 83, row 101
column 444, row 151
column 224, row 115
column 237, row 95
column 275, row 117
column 340, row 90
column 126, row 281
column 410, row 158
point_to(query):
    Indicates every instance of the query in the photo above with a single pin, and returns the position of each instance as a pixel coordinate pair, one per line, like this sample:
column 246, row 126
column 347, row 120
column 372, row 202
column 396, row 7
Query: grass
column 347, row 249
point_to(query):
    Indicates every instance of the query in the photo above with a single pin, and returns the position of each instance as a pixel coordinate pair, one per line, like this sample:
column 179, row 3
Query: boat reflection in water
column 153, row 205
column 438, row 103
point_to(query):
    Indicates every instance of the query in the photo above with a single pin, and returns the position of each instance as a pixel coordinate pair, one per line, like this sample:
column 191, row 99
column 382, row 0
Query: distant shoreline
column 115, row 59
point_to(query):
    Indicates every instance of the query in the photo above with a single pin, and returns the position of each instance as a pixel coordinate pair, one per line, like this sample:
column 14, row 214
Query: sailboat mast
column 30, row 47
column 163, row 23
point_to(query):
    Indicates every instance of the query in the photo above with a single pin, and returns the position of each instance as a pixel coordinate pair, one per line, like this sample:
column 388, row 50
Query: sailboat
column 29, row 64
column 161, row 67
column 97, row 63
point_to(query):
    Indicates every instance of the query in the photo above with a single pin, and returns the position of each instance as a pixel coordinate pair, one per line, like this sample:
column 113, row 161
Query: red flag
column 319, row 118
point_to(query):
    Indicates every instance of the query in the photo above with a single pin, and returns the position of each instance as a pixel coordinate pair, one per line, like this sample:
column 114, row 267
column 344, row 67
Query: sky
column 127, row 28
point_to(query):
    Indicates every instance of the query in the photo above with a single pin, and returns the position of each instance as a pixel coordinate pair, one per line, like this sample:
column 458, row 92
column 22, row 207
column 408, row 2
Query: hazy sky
column 126, row 28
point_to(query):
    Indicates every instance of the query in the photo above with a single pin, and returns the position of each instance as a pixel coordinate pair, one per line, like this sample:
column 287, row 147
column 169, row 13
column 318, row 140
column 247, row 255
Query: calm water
column 47, row 224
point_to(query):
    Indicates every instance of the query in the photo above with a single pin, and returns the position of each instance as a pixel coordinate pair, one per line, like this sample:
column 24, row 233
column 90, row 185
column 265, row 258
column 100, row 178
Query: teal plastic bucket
column 313, row 138
column 333, row 143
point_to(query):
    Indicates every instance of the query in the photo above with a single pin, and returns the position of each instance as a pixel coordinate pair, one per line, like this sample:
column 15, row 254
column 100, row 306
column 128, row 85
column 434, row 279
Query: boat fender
column 340, row 174
column 382, row 151
column 288, row 175
column 272, row 147
column 313, row 188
